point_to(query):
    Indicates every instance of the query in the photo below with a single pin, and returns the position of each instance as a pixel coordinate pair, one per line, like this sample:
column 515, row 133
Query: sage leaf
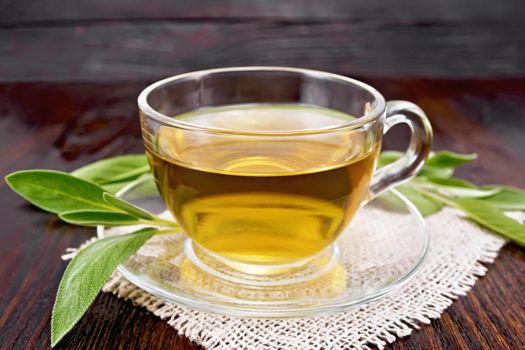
column 493, row 218
column 86, row 274
column 508, row 198
column 451, row 182
column 390, row 201
column 457, row 188
column 114, row 187
column 426, row 206
column 98, row 217
column 435, row 172
column 127, row 207
column 145, row 186
column 447, row 159
column 56, row 191
column 114, row 169
column 441, row 164
column 387, row 157
column 143, row 181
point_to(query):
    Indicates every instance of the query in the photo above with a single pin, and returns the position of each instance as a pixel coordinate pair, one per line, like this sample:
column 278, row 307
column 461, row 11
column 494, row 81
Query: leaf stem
column 165, row 232
column 439, row 197
column 159, row 222
column 163, row 222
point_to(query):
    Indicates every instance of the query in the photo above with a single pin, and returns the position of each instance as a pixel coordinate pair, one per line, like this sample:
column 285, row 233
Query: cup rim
column 356, row 123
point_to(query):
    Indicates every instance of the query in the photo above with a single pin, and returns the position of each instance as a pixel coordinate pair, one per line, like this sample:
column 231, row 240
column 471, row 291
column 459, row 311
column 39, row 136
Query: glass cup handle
column 411, row 162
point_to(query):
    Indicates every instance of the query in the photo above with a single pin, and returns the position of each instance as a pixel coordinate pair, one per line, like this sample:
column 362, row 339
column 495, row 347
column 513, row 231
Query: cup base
column 261, row 275
column 380, row 252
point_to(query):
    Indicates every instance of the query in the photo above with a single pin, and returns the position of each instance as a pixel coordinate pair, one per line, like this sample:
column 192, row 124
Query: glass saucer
column 382, row 249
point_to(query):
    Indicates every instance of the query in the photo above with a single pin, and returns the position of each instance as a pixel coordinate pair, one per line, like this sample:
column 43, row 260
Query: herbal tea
column 263, row 200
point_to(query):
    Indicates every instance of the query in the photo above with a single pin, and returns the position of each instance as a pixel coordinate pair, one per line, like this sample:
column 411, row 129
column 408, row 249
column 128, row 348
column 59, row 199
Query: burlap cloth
column 458, row 250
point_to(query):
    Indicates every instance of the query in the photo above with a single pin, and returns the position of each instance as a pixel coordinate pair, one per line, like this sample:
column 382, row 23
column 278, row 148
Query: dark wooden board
column 16, row 12
column 64, row 125
column 93, row 41
column 121, row 51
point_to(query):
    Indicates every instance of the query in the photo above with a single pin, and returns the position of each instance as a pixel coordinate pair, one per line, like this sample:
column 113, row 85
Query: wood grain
column 121, row 51
column 14, row 12
column 70, row 73
column 64, row 125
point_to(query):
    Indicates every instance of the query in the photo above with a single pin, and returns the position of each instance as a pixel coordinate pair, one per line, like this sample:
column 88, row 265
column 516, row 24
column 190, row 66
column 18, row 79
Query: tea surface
column 261, row 199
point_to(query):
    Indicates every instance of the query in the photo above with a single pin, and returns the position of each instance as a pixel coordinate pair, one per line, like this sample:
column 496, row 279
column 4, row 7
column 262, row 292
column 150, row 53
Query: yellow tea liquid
column 261, row 199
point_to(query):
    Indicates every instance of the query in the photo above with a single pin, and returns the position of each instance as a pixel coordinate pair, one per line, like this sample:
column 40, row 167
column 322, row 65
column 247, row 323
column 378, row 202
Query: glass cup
column 260, row 196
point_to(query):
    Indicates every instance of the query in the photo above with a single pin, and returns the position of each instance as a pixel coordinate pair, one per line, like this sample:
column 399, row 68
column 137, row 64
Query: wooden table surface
column 69, row 81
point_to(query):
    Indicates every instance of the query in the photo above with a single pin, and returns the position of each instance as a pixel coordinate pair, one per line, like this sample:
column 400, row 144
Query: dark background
column 70, row 72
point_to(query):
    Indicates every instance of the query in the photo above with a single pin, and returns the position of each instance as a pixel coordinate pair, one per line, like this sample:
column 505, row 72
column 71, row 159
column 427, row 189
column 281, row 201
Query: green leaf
column 451, row 182
column 114, row 187
column 426, row 206
column 457, row 187
column 493, row 218
column 98, row 217
column 56, row 191
column 127, row 207
column 115, row 169
column 391, row 201
column 145, row 187
column 429, row 171
column 447, row 159
column 387, row 157
column 141, row 181
column 86, row 274
column 441, row 164
column 508, row 198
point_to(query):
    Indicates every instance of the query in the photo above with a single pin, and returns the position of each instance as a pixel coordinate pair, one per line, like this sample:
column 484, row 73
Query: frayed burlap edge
column 394, row 325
